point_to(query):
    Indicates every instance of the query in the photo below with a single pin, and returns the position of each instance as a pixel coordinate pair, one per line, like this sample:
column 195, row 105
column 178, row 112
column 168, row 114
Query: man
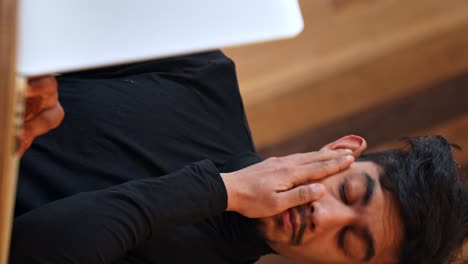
column 126, row 125
column 398, row 206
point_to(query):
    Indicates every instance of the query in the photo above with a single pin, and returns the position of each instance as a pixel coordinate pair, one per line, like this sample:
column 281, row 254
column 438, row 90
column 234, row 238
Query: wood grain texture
column 455, row 130
column 8, row 123
column 413, row 114
column 338, row 37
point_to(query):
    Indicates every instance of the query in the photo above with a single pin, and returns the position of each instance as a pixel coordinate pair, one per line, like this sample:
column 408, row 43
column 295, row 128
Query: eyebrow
column 370, row 187
column 370, row 245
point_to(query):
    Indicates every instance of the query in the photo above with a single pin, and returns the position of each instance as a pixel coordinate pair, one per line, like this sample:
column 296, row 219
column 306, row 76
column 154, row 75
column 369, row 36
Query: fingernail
column 344, row 151
column 317, row 188
column 35, row 81
column 38, row 81
column 349, row 157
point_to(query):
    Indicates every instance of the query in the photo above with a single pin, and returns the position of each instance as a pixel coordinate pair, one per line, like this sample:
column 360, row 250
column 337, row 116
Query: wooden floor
column 380, row 69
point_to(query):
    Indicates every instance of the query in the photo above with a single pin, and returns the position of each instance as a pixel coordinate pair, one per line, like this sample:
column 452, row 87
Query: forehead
column 382, row 216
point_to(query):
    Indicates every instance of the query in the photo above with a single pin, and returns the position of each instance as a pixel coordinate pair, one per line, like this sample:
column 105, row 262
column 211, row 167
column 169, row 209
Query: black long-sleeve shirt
column 101, row 226
column 119, row 157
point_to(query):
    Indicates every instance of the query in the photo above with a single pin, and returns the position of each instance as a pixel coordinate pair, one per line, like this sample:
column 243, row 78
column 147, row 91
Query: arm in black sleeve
column 101, row 226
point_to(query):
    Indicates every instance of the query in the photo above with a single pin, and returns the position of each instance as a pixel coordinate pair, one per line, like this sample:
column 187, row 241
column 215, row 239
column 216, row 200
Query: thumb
column 301, row 195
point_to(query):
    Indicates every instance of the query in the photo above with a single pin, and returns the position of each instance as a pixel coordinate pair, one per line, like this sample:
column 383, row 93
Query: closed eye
column 341, row 237
column 344, row 198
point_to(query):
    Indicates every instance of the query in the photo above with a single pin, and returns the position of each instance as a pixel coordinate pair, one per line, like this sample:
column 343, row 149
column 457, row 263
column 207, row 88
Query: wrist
column 228, row 184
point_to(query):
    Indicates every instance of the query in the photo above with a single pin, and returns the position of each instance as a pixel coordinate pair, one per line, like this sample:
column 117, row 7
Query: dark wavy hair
column 433, row 198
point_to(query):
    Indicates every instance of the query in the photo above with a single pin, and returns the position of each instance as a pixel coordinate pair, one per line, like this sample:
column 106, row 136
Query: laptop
column 57, row 36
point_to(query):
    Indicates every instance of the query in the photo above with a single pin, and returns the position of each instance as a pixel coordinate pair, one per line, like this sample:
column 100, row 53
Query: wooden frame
column 10, row 120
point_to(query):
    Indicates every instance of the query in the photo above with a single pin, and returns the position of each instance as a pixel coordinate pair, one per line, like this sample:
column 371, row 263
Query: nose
column 329, row 214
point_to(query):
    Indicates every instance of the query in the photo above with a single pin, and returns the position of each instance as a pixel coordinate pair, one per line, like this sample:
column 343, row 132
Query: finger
column 45, row 121
column 40, row 125
column 319, row 170
column 38, row 104
column 25, row 143
column 31, row 108
column 40, row 85
column 300, row 195
column 304, row 158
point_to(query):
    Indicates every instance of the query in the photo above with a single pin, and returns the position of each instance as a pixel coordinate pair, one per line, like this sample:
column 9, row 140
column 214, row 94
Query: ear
column 355, row 143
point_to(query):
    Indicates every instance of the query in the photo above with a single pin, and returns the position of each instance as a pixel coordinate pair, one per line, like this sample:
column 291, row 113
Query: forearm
column 101, row 226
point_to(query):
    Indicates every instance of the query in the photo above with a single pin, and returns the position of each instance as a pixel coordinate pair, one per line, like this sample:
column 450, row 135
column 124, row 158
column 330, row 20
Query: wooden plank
column 396, row 118
column 338, row 36
column 394, row 75
column 455, row 130
column 9, row 102
column 291, row 86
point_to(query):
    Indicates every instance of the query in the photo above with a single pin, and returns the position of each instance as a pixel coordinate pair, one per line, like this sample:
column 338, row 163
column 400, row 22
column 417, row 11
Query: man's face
column 356, row 221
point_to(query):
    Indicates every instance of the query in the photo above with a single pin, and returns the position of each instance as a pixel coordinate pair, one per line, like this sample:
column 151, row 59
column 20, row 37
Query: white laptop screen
column 66, row 35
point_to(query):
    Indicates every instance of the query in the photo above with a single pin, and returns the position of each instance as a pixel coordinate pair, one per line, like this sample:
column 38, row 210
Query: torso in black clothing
column 226, row 238
column 146, row 120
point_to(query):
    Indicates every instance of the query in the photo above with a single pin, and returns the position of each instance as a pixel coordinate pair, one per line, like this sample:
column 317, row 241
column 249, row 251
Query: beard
column 298, row 232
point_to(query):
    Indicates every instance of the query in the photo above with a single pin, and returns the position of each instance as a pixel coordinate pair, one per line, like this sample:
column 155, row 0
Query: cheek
column 313, row 252
column 316, row 249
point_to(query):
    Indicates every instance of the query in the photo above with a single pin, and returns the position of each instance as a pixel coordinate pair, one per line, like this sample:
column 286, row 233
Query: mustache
column 296, row 238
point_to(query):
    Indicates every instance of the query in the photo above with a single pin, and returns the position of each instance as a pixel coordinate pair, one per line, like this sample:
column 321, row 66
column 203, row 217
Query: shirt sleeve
column 101, row 226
